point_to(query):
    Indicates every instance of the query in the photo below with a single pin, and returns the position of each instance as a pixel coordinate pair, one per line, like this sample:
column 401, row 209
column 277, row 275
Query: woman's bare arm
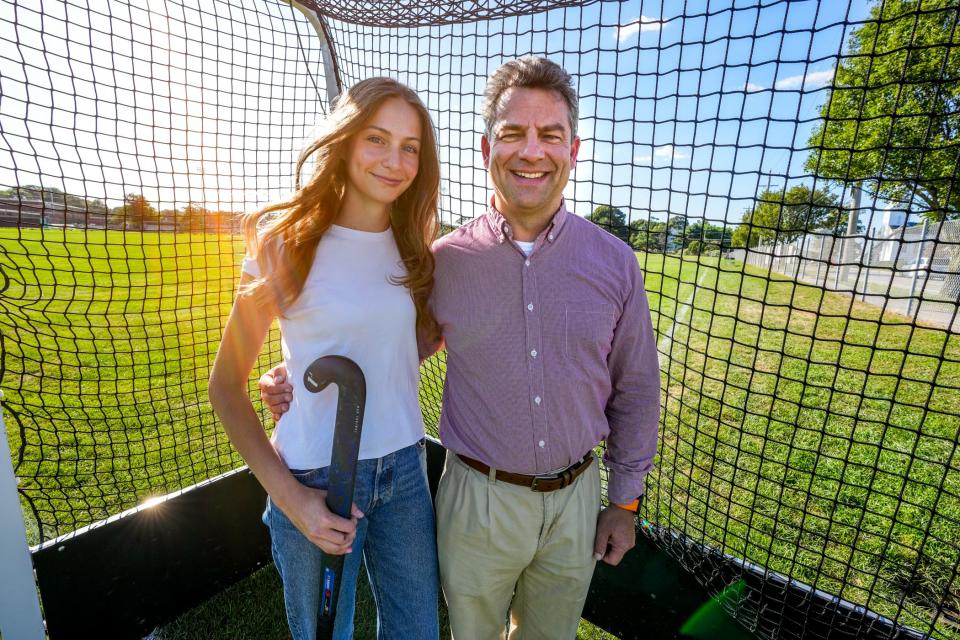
column 243, row 338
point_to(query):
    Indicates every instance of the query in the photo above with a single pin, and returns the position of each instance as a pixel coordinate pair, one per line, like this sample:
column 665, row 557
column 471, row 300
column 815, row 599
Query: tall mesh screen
column 131, row 136
column 786, row 172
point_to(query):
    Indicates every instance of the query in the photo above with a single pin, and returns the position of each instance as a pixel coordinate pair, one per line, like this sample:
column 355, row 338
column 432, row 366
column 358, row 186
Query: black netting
column 131, row 136
column 786, row 172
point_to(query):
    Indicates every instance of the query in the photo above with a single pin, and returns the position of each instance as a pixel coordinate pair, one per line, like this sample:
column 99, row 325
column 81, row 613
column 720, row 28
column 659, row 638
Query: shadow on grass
column 252, row 609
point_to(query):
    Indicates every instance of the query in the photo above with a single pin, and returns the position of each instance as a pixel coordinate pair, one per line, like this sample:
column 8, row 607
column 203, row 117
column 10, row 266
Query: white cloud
column 753, row 88
column 643, row 23
column 810, row 80
column 663, row 152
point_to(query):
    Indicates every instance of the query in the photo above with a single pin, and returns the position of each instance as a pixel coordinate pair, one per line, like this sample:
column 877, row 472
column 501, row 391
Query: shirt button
column 537, row 400
column 530, row 307
column 541, row 443
column 526, row 263
column 550, row 236
column 533, row 353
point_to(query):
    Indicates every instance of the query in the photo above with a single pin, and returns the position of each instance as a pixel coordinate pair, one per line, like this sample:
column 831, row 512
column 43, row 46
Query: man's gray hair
column 530, row 73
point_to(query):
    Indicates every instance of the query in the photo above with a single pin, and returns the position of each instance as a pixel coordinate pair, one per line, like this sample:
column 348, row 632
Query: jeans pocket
column 315, row 478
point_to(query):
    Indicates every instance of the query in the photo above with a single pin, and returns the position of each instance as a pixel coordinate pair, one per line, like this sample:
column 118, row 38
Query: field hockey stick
column 352, row 394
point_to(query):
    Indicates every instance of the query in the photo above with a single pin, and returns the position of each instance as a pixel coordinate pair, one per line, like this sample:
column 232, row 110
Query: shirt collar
column 502, row 231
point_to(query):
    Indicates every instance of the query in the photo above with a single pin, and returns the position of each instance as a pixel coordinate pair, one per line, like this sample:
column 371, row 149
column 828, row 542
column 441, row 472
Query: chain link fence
column 912, row 271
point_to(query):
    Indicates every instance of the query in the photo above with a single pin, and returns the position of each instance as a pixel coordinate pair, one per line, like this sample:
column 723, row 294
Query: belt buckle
column 534, row 485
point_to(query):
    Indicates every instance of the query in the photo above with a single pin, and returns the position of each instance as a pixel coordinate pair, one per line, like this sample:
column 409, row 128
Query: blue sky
column 680, row 114
column 686, row 108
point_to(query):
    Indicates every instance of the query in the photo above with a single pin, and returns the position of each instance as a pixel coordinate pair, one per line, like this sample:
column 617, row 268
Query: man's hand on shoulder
column 616, row 534
column 275, row 391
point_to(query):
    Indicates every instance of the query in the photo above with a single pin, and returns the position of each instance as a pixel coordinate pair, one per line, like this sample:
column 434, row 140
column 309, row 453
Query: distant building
column 166, row 222
column 890, row 242
column 929, row 246
column 32, row 212
column 894, row 219
column 35, row 213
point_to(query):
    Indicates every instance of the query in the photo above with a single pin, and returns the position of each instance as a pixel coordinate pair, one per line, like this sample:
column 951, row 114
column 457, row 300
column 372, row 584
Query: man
column 550, row 350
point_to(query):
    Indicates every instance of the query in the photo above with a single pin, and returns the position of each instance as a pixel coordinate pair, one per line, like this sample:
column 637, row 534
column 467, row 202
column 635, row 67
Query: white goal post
column 20, row 617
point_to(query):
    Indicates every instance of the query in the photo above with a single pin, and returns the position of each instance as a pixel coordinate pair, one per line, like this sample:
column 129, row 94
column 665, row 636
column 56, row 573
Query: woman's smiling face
column 385, row 155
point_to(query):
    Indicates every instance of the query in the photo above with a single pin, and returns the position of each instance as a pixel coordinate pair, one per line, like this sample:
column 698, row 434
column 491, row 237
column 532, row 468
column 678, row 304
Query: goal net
column 785, row 171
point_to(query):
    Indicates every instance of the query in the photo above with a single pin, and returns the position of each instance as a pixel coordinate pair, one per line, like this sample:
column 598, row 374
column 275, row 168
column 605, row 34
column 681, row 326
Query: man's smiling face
column 530, row 153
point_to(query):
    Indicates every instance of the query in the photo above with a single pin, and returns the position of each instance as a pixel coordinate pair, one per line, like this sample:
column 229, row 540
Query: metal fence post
column 802, row 260
column 823, row 241
column 835, row 261
column 865, row 266
column 916, row 270
column 19, row 603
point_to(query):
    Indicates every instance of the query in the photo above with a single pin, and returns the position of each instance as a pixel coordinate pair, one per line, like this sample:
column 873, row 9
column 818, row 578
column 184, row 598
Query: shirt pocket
column 588, row 331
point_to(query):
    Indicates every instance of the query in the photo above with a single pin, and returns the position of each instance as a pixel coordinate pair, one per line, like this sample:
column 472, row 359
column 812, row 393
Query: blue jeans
column 398, row 542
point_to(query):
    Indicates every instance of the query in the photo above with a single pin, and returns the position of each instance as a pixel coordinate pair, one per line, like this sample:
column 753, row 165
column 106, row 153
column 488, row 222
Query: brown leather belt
column 547, row 482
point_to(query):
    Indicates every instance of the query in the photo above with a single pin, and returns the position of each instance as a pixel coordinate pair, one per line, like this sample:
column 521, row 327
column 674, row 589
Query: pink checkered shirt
column 548, row 355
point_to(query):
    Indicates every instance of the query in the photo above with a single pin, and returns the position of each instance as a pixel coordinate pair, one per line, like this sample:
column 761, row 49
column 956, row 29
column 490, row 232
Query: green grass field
column 108, row 340
column 802, row 431
column 808, row 434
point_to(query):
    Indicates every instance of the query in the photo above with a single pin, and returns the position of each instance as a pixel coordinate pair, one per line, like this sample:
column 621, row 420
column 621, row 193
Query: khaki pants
column 499, row 542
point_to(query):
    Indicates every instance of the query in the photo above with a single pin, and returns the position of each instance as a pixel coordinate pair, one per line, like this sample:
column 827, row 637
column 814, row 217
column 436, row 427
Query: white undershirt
column 526, row 247
column 350, row 308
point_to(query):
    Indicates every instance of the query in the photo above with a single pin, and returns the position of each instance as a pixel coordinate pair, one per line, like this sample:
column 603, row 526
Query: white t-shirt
column 526, row 247
column 349, row 307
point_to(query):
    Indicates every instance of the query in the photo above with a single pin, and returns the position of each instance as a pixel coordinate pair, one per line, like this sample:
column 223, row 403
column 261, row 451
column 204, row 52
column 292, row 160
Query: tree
column 676, row 231
column 222, row 221
column 445, row 229
column 779, row 216
column 192, row 218
column 133, row 213
column 647, row 235
column 640, row 234
column 612, row 219
column 893, row 113
column 705, row 232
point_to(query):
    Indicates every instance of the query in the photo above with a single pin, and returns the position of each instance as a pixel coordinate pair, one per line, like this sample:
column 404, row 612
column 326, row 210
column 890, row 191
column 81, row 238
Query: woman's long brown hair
column 283, row 237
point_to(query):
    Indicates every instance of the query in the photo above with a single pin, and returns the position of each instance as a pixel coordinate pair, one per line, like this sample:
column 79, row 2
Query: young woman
column 345, row 265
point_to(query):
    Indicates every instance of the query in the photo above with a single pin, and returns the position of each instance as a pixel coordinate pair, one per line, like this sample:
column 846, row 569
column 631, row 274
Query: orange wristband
column 633, row 506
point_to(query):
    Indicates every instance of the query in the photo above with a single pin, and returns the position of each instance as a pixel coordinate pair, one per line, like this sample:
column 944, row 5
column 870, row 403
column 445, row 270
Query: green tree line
column 677, row 233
